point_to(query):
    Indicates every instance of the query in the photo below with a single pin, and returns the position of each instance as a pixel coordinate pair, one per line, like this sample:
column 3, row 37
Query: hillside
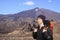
column 22, row 35
column 32, row 13
column 21, row 20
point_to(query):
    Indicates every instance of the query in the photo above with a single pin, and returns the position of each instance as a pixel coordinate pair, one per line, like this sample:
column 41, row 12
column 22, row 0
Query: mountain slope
column 33, row 13
column 21, row 20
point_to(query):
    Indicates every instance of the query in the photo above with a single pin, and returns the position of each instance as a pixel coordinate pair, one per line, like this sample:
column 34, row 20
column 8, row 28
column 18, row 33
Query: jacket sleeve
column 34, row 34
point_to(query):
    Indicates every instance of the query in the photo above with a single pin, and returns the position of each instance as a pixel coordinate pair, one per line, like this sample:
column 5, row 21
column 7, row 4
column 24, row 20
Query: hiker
column 51, row 27
column 40, row 32
column 47, row 23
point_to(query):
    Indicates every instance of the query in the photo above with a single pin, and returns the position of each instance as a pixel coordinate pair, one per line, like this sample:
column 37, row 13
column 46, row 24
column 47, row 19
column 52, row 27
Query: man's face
column 40, row 21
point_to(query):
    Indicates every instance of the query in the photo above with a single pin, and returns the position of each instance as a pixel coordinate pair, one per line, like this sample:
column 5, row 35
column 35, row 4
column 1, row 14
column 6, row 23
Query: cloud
column 49, row 0
column 29, row 3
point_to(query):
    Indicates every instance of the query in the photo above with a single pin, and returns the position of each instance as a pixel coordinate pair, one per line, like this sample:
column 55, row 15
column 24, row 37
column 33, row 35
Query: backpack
column 49, row 24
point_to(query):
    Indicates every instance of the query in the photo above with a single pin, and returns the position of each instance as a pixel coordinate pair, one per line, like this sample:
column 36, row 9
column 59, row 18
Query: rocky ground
column 56, row 31
column 22, row 35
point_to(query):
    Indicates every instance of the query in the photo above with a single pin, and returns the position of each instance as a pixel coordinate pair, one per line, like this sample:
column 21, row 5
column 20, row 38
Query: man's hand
column 45, row 29
column 35, row 29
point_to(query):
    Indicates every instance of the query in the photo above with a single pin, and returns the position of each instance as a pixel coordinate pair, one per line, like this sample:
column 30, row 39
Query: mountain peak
column 37, row 9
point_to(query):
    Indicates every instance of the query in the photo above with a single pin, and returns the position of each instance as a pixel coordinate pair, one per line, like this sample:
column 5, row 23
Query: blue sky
column 15, row 6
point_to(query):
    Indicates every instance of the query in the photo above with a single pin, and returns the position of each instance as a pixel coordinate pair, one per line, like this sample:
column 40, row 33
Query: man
column 51, row 27
column 40, row 31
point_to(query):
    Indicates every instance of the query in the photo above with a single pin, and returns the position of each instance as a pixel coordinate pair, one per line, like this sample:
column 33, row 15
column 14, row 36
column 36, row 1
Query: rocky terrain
column 19, row 26
column 22, row 35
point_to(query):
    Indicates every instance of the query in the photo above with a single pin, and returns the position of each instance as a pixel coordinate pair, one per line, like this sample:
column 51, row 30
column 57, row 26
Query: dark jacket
column 39, row 35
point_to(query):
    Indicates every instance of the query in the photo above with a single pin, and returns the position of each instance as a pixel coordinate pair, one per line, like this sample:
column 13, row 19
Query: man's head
column 40, row 19
column 51, row 20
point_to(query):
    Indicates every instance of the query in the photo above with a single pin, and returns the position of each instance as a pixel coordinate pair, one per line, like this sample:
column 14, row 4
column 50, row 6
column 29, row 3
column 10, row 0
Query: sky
column 15, row 6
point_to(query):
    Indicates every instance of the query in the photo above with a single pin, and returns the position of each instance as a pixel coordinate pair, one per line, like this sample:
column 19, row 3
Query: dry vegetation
column 57, row 31
column 23, row 35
